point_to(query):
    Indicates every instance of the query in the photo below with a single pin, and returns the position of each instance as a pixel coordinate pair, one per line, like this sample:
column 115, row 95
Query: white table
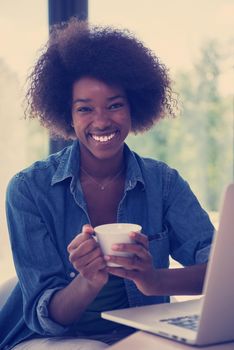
column 146, row 341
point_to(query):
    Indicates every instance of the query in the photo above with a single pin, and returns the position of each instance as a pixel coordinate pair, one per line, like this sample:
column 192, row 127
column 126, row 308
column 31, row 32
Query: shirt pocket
column 159, row 248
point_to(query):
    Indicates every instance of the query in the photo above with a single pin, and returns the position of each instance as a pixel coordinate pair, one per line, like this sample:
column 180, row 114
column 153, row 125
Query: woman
column 96, row 85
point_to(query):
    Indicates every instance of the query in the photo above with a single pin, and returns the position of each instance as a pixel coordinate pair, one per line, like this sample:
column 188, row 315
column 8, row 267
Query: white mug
column 110, row 234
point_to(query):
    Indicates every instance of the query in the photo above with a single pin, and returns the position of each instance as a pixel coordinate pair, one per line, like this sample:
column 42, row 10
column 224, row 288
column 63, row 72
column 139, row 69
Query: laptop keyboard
column 189, row 322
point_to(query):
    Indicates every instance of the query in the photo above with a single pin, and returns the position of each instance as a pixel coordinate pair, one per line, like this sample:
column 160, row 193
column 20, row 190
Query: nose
column 101, row 119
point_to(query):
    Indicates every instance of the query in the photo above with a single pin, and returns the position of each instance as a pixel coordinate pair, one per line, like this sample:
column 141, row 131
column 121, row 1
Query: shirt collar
column 68, row 167
column 69, row 162
column 133, row 171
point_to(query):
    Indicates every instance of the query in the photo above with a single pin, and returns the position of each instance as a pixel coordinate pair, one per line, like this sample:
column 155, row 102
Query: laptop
column 208, row 319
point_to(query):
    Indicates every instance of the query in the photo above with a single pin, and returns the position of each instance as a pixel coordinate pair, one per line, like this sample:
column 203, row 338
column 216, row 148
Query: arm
column 38, row 264
column 68, row 304
column 189, row 237
column 44, row 280
column 181, row 281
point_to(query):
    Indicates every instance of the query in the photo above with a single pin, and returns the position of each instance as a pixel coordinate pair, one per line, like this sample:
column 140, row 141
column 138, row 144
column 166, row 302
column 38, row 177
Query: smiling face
column 101, row 118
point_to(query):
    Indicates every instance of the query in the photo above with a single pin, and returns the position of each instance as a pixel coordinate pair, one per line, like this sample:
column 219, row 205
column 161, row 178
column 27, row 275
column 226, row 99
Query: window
column 23, row 30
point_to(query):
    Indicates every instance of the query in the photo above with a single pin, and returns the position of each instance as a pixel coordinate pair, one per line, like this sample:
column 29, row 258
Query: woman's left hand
column 139, row 267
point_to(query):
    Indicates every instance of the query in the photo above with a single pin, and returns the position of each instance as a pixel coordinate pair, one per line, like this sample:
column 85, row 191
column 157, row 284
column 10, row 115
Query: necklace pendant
column 102, row 187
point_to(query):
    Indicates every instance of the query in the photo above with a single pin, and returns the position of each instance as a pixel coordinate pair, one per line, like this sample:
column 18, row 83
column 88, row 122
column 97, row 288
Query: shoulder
column 40, row 173
column 153, row 167
column 160, row 174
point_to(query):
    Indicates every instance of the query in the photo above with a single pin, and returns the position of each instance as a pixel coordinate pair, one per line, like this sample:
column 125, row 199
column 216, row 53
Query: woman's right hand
column 87, row 258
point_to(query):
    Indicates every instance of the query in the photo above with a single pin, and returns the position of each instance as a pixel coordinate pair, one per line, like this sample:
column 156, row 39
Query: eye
column 83, row 109
column 116, row 105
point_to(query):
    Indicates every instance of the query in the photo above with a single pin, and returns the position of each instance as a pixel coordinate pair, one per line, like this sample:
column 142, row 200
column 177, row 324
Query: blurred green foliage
column 199, row 142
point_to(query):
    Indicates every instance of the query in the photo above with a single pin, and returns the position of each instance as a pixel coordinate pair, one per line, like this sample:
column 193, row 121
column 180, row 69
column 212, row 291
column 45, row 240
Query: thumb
column 87, row 229
column 86, row 233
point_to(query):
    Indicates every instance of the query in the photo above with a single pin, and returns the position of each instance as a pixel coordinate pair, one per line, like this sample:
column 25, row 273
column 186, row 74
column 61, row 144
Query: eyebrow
column 115, row 97
column 86, row 100
column 81, row 100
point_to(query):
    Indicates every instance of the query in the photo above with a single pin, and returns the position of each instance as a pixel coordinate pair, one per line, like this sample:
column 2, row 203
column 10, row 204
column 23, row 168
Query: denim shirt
column 46, row 209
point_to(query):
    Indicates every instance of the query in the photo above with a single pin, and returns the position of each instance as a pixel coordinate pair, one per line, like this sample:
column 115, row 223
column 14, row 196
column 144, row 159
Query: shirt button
column 72, row 274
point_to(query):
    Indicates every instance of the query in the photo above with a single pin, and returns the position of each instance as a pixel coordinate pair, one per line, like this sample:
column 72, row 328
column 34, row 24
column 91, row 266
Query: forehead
column 89, row 87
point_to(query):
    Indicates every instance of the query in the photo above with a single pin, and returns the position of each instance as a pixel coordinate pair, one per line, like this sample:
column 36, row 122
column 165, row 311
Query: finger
column 82, row 262
column 84, row 257
column 86, row 234
column 96, row 265
column 120, row 272
column 137, row 249
column 140, row 238
column 87, row 228
column 83, row 249
column 128, row 263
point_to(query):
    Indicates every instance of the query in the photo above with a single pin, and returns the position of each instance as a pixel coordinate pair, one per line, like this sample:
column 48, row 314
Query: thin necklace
column 102, row 186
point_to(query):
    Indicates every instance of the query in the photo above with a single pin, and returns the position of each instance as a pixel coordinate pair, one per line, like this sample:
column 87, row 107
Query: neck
column 101, row 168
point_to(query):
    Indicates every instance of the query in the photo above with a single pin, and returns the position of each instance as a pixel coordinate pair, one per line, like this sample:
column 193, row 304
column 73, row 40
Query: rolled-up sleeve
column 202, row 255
column 49, row 326
column 190, row 229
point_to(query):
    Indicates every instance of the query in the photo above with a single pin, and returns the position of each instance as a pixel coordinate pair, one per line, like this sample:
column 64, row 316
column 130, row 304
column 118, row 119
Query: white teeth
column 103, row 138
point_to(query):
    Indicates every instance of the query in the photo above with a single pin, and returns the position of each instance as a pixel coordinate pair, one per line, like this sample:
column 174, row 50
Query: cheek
column 77, row 127
column 78, row 123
